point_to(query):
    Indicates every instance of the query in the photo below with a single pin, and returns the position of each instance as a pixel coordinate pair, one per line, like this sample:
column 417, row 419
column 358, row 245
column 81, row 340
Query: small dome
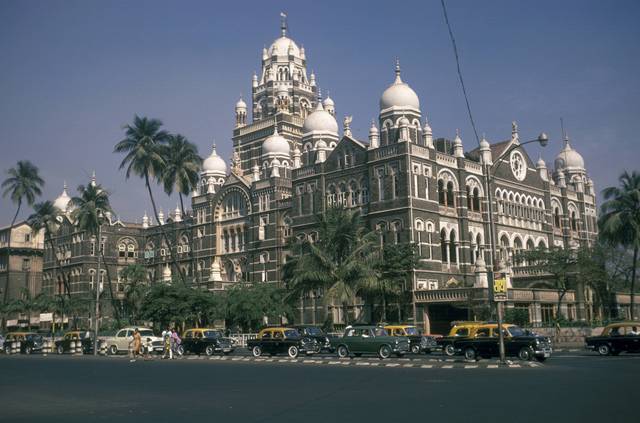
column 541, row 164
column 241, row 104
column 284, row 46
column 320, row 120
column 63, row 200
column 328, row 102
column 427, row 128
column 321, row 145
column 275, row 144
column 404, row 121
column 373, row 130
column 569, row 158
column 399, row 94
column 214, row 163
column 484, row 144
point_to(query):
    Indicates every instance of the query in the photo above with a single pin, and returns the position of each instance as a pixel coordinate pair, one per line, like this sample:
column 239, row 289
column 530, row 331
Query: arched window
column 469, row 201
column 443, row 246
column 556, row 217
column 476, row 199
column 397, row 229
column 453, row 257
column 574, row 221
column 504, row 248
column 450, row 200
column 441, row 193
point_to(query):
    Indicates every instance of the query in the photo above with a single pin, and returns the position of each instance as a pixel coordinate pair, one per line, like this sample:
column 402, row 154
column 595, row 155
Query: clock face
column 518, row 166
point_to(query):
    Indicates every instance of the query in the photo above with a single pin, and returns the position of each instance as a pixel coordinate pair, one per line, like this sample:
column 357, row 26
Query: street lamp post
column 488, row 170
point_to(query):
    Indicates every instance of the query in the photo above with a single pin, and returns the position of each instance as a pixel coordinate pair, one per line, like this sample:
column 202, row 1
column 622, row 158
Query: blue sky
column 73, row 72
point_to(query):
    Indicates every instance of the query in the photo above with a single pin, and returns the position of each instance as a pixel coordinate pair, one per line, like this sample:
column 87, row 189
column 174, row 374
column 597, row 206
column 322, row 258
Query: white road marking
column 234, row 358
column 447, row 367
column 363, row 363
column 392, row 365
column 427, row 366
column 334, row 362
column 492, row 366
column 514, row 365
column 408, row 365
column 470, row 367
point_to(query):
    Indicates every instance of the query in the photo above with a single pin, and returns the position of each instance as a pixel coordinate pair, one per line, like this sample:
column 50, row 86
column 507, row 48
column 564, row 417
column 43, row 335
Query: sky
column 72, row 73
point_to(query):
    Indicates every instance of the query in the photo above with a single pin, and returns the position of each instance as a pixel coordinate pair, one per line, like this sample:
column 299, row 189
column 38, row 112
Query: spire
column 398, row 79
column 283, row 24
column 213, row 148
column 93, row 178
column 64, row 186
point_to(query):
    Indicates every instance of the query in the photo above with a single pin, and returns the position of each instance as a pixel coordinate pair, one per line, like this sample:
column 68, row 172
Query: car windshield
column 291, row 333
column 313, row 331
column 412, row 331
column 380, row 332
column 516, row 331
column 212, row 334
column 146, row 332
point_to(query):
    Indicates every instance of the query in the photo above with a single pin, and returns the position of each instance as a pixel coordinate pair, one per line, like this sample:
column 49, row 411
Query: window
column 26, row 265
column 380, row 180
column 450, row 198
column 441, row 194
column 443, row 246
column 27, row 237
column 453, row 257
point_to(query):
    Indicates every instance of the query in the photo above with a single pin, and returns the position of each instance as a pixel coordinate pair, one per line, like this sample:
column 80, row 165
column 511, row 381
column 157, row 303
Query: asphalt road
column 571, row 386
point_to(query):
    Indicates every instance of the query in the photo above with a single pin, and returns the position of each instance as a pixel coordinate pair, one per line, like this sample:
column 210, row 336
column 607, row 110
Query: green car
column 358, row 340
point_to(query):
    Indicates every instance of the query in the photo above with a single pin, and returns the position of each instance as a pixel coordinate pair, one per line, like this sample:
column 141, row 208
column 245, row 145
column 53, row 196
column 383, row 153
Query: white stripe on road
column 492, row 366
column 426, row 366
column 447, row 367
column 392, row 365
column 470, row 367
column 334, row 362
column 408, row 365
column 362, row 363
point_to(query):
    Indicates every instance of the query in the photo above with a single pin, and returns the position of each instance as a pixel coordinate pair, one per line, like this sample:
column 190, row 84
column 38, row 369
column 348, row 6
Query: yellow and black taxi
column 277, row 340
column 82, row 337
column 30, row 342
column 616, row 338
column 418, row 343
column 458, row 330
column 206, row 341
column 483, row 342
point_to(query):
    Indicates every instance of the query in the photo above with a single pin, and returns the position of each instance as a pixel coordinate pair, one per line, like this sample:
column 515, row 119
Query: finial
column 275, row 130
column 319, row 94
column 64, row 185
column 457, row 133
column 283, row 24
column 398, row 79
column 93, row 178
column 214, row 147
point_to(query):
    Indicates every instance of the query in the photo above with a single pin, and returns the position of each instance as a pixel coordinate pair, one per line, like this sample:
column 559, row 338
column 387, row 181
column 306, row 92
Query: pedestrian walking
column 166, row 338
column 137, row 343
column 175, row 341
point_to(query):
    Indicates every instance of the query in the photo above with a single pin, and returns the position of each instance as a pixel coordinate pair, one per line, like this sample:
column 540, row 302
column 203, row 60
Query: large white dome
column 399, row 94
column 569, row 158
column 275, row 144
column 282, row 46
column 63, row 200
column 320, row 120
column 214, row 163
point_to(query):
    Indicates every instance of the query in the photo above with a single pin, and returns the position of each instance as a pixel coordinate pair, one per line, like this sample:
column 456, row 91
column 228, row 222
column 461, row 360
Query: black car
column 318, row 334
column 616, row 338
column 29, row 342
column 517, row 343
column 84, row 338
column 282, row 340
column 418, row 342
column 207, row 341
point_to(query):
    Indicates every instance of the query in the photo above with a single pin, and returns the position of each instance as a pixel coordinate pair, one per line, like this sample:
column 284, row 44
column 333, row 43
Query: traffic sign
column 500, row 287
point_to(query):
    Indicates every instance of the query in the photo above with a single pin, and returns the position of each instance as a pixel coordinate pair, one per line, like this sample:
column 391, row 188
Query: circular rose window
column 518, row 166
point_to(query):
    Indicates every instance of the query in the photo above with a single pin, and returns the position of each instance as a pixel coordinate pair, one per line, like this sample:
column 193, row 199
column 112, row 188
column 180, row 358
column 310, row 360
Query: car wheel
column 603, row 349
column 60, row 349
column 28, row 350
column 449, row 350
column 293, row 351
column 256, row 351
column 343, row 352
column 415, row 349
column 209, row 350
column 384, row 352
column 470, row 354
column 525, row 354
column 113, row 350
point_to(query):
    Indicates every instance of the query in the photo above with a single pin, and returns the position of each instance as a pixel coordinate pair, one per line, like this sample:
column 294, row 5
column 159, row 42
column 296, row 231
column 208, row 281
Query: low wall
column 568, row 335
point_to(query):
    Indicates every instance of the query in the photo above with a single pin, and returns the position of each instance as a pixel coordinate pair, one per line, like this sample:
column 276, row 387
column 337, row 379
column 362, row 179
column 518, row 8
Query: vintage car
column 29, row 342
column 120, row 342
column 204, row 340
column 418, row 343
column 616, row 338
column 358, row 340
column 85, row 338
column 277, row 340
column 458, row 330
column 484, row 343
column 317, row 334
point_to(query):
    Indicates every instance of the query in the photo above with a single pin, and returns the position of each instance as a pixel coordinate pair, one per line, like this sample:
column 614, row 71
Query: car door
column 121, row 339
column 266, row 342
column 484, row 342
column 278, row 342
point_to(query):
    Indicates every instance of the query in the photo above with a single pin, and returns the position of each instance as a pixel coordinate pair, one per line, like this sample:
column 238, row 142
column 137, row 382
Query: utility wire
column 464, row 89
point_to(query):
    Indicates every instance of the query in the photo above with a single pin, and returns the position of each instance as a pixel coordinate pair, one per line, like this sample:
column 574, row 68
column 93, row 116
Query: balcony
column 452, row 295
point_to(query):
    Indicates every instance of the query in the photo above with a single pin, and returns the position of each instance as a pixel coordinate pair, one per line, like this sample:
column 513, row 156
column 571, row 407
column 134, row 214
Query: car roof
column 620, row 324
column 21, row 333
column 203, row 329
column 399, row 326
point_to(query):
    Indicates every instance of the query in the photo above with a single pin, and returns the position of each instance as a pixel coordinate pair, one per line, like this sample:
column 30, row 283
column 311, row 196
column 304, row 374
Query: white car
column 122, row 339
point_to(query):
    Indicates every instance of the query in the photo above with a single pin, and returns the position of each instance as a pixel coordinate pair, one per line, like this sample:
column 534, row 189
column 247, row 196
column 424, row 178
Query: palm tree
column 90, row 210
column 45, row 218
column 23, row 184
column 338, row 264
column 182, row 166
column 142, row 147
column 620, row 219
column 135, row 290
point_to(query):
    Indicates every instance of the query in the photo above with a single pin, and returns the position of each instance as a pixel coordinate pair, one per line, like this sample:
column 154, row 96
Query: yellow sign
column 500, row 286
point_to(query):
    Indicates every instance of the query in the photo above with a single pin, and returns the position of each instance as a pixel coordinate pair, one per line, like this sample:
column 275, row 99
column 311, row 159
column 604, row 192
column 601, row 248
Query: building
column 291, row 162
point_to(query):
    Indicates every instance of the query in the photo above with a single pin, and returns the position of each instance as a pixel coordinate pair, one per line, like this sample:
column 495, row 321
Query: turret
column 458, row 149
column 374, row 136
column 427, row 135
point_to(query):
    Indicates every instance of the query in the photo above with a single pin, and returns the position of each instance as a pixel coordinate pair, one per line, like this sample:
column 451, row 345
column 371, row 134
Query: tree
column 619, row 221
column 89, row 214
column 45, row 218
column 394, row 264
column 248, row 305
column 135, row 290
column 559, row 263
column 22, row 184
column 181, row 171
column 338, row 264
column 142, row 147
